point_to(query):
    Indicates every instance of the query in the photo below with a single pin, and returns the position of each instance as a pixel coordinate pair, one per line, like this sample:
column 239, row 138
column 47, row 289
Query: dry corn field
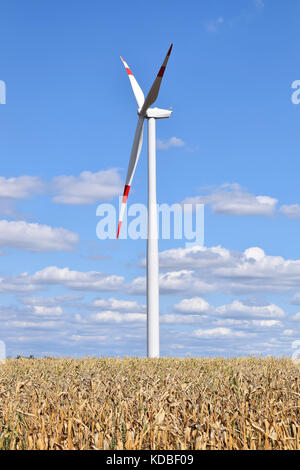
column 131, row 403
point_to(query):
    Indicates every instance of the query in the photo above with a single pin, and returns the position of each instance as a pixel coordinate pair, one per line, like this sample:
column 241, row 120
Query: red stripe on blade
column 126, row 191
column 119, row 226
column 161, row 71
column 128, row 71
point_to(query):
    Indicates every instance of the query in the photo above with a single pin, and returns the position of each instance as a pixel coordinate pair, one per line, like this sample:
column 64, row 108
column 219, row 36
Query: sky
column 231, row 144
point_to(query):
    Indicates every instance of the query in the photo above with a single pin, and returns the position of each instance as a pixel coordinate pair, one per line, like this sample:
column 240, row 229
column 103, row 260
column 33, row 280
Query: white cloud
column 248, row 324
column 219, row 333
column 172, row 282
column 291, row 211
column 20, row 187
column 16, row 188
column 36, row 237
column 40, row 325
column 116, row 317
column 195, row 305
column 51, row 301
column 89, row 338
column 78, row 280
column 232, row 199
column 238, row 309
column 16, row 285
column 254, row 253
column 119, row 305
column 229, row 271
column 238, row 313
column 181, row 319
column 266, row 323
column 288, row 332
column 42, row 311
column 196, row 257
column 52, row 275
column 181, row 281
column 88, row 187
column 172, row 142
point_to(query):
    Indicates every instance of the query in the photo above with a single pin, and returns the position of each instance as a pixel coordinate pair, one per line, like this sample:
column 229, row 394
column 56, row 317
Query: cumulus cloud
column 194, row 305
column 21, row 187
column 172, row 282
column 288, row 332
column 88, row 187
column 78, row 280
column 248, row 324
column 36, row 237
column 238, row 309
column 42, row 311
column 189, row 273
column 116, row 317
column 181, row 319
column 15, row 188
column 291, row 211
column 197, row 257
column 71, row 279
column 209, row 270
column 40, row 325
column 172, row 142
column 90, row 338
column 51, row 301
column 219, row 333
column 230, row 271
column 181, row 281
column 67, row 328
column 117, row 305
column 232, row 199
column 237, row 314
column 266, row 323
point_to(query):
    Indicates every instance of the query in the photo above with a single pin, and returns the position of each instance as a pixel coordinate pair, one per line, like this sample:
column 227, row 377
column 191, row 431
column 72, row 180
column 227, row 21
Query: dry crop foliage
column 132, row 403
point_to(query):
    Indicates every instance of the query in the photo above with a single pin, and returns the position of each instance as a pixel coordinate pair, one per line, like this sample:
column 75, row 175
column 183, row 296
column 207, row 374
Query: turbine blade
column 138, row 93
column 134, row 157
column 153, row 93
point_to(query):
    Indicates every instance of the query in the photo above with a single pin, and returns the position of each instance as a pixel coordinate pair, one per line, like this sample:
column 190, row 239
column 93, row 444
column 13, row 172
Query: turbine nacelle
column 157, row 113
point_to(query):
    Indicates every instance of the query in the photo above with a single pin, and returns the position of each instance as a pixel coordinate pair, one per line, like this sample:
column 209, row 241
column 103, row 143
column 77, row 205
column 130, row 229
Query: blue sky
column 66, row 133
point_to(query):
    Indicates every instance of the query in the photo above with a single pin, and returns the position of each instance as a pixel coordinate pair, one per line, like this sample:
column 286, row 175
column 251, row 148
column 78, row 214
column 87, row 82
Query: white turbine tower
column 144, row 111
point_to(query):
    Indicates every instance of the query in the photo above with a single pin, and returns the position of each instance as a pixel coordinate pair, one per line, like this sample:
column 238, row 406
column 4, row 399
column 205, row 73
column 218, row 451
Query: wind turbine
column 151, row 114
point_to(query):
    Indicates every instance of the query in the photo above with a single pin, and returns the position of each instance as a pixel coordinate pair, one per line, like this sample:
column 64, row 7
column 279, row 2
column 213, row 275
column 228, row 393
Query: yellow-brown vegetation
column 132, row 403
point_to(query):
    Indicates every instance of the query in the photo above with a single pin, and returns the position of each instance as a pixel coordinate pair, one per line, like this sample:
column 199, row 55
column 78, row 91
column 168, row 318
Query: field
column 131, row 403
